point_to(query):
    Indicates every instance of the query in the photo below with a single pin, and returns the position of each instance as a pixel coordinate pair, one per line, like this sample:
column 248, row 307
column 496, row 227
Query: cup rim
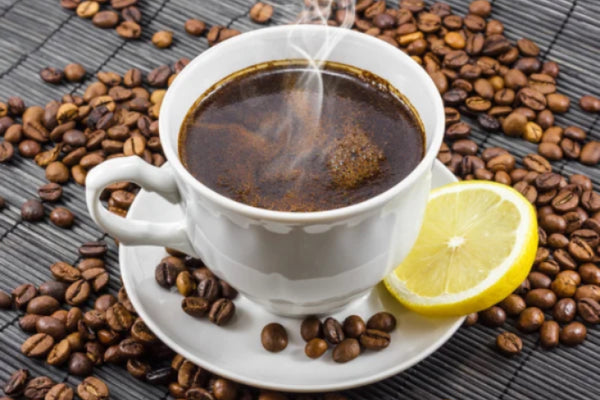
column 171, row 154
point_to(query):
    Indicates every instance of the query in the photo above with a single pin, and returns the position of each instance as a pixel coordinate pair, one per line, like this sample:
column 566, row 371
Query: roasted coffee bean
column 95, row 319
column 209, row 289
column 118, row 318
column 32, row 211
column 62, row 217
column 261, row 13
column 159, row 76
column 195, row 306
column 42, row 305
column 274, row 337
column 354, row 326
column 60, row 392
column 37, row 345
column 488, row 122
column 509, row 343
column 23, row 294
column 51, row 326
column 141, row 332
column 557, row 103
column 16, row 383
column 6, row 151
column 315, row 347
column 565, row 284
column 531, row 319
column 38, row 387
column 60, row 353
column 50, row 192
column 590, row 274
column 541, row 298
column 131, row 348
column 227, row 290
column 77, row 292
column 113, row 355
column 565, row 200
column 5, row 300
column 162, row 39
column 51, row 75
column 98, row 278
column 564, row 310
column 198, row 393
column 346, row 350
column 29, row 148
column 373, row 339
column 588, row 291
column 311, row 328
column 138, row 368
column 221, row 311
column 589, row 310
column 459, row 130
column 195, row 27
column 590, row 153
column 160, row 376
column 382, row 321
column 513, row 305
column 129, row 30
column 573, row 334
column 93, row 249
column 493, row 316
column 28, row 321
column 104, row 302
column 93, row 388
column 333, row 331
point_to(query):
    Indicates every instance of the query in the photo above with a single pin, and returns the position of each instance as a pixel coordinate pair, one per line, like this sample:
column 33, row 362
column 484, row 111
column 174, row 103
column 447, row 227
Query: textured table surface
column 37, row 33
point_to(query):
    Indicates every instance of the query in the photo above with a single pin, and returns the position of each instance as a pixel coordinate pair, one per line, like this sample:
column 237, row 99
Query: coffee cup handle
column 129, row 231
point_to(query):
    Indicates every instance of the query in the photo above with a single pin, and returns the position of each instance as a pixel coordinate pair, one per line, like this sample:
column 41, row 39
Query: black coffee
column 282, row 137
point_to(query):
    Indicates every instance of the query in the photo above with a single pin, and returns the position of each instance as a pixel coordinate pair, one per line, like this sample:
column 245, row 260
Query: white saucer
column 235, row 351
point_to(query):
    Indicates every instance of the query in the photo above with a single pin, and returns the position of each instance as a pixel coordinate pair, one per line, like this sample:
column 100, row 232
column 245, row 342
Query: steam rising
column 305, row 102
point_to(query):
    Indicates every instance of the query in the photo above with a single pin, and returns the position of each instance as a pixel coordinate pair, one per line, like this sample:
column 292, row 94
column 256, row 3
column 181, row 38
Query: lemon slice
column 477, row 244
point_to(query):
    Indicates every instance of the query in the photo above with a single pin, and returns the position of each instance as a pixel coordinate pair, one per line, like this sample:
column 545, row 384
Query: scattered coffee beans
column 274, row 337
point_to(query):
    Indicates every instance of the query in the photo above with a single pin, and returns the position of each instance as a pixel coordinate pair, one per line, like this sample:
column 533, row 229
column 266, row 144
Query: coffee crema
column 285, row 136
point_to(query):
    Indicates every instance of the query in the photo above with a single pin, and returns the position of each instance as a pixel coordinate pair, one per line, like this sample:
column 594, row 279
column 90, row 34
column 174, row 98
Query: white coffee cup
column 292, row 263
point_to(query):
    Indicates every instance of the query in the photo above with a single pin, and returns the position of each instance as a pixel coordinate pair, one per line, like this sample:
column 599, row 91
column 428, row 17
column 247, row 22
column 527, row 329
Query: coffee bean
column 60, row 353
column 93, row 249
column 590, row 153
column 221, row 311
column 333, row 331
column 37, row 345
column 51, row 75
column 32, row 211
column 118, row 318
column 105, row 19
column 311, row 328
column 6, row 151
column 531, row 319
column 261, row 13
column 589, row 310
column 137, row 368
column 493, row 316
column 62, row 217
column 29, row 148
column 209, row 289
column 227, row 290
column 141, row 332
column 38, row 387
column 488, row 122
column 195, row 27
column 97, row 277
column 93, row 388
column 16, row 382
column 60, row 392
column 573, row 334
column 274, row 337
column 346, row 350
column 51, row 326
column 129, row 30
column 373, row 339
column 23, row 294
column 77, row 292
column 130, row 348
column 382, row 321
column 558, row 103
column 354, row 326
column 166, row 273
column 541, row 298
column 50, row 192
column 315, row 347
column 590, row 273
column 162, row 39
column 42, row 305
column 159, row 376
column 195, row 306
column 5, row 300
column 509, row 344
column 158, row 77
column 459, row 130
column 513, row 305
column 224, row 389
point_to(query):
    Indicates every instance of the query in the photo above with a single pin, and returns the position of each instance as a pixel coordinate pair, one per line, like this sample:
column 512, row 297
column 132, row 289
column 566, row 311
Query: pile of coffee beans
column 42, row 387
column 349, row 338
column 205, row 295
column 504, row 86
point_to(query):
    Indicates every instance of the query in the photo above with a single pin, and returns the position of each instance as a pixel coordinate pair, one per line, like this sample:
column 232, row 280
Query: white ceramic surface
column 235, row 351
column 291, row 263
